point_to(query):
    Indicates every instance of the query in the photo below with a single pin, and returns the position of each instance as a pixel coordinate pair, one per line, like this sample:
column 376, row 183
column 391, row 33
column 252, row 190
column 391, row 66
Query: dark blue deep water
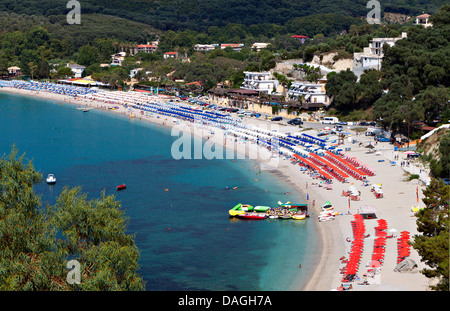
column 204, row 249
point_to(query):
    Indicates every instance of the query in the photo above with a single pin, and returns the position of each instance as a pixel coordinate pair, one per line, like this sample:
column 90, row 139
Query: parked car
column 339, row 128
column 296, row 121
column 255, row 114
column 446, row 181
column 363, row 123
column 342, row 123
column 276, row 119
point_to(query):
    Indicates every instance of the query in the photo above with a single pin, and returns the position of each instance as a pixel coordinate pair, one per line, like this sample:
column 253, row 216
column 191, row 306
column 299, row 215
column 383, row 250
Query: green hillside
column 199, row 15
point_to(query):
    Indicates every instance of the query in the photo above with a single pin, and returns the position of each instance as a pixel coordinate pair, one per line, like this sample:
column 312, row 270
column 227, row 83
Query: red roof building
column 170, row 55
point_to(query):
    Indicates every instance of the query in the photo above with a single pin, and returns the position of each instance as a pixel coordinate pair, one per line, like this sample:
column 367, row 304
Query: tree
column 342, row 87
column 370, row 87
column 433, row 100
column 94, row 232
column 440, row 165
column 32, row 67
column 433, row 244
column 87, row 55
column 43, row 70
column 64, row 72
column 36, row 243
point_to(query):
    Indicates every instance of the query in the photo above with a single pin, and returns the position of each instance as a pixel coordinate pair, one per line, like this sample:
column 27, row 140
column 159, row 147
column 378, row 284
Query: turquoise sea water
column 204, row 248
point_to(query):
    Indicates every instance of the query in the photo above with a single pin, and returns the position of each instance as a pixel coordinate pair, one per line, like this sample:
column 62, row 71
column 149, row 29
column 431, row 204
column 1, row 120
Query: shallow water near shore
column 186, row 239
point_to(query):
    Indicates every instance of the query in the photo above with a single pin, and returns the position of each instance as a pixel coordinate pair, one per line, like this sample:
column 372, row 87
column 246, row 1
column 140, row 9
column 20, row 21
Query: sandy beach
column 394, row 207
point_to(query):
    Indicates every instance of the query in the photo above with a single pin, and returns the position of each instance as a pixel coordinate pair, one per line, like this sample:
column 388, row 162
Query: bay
column 177, row 209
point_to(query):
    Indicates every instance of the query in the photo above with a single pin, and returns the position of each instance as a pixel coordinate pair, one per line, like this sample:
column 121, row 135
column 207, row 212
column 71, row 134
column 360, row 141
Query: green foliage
column 325, row 24
column 199, row 15
column 36, row 244
column 433, row 224
column 342, row 87
column 87, row 55
column 416, row 74
column 64, row 72
column 440, row 165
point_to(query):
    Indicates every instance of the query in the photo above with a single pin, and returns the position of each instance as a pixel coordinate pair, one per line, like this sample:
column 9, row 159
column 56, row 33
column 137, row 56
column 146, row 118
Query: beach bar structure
column 368, row 212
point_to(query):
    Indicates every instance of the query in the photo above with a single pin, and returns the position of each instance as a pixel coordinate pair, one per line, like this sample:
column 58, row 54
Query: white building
column 309, row 92
column 259, row 46
column 76, row 69
column 134, row 71
column 117, row 59
column 372, row 56
column 235, row 46
column 260, row 81
column 423, row 20
column 204, row 47
column 147, row 48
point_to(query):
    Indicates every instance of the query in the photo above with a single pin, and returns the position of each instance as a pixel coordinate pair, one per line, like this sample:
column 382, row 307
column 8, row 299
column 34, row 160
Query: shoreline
column 325, row 275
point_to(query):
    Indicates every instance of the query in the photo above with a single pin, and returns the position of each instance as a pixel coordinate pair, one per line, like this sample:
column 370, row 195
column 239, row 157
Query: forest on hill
column 199, row 15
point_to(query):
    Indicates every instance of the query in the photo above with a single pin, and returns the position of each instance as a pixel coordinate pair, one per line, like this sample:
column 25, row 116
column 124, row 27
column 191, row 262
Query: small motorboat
column 326, row 218
column 256, row 216
column 298, row 216
column 327, row 206
column 284, row 216
column 121, row 187
column 51, row 179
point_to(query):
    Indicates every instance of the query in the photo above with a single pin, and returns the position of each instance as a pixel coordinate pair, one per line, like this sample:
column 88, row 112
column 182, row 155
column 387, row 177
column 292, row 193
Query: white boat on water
column 51, row 179
column 326, row 218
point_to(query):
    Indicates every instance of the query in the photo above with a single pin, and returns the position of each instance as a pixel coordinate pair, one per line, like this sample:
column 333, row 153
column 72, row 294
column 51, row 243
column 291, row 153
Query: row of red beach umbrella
column 379, row 243
column 354, row 161
column 328, row 166
column 313, row 166
column 346, row 166
column 403, row 246
column 356, row 250
column 335, row 166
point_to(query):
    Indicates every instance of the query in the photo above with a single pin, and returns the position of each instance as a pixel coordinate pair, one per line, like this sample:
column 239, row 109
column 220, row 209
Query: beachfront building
column 134, row 71
column 76, row 69
column 170, row 55
column 259, row 46
column 133, row 49
column 260, row 81
column 14, row 71
column 301, row 38
column 117, row 59
column 308, row 92
column 235, row 46
column 423, row 20
column 146, row 48
column 372, row 55
column 204, row 47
